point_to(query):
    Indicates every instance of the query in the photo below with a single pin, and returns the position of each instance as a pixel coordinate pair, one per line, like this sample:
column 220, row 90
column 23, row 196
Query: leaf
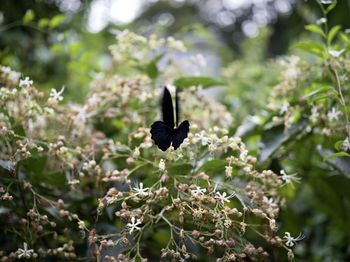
column 28, row 16
column 316, row 29
column 317, row 92
column 311, row 47
column 331, row 6
column 248, row 125
column 43, row 22
column 338, row 154
column 275, row 137
column 341, row 163
column 213, row 167
column 338, row 145
column 151, row 68
column 56, row 21
column 180, row 169
column 332, row 33
column 344, row 37
column 203, row 81
column 74, row 48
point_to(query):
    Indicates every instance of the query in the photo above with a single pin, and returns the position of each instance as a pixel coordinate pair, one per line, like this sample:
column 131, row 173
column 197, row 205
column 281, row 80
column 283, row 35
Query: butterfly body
column 164, row 133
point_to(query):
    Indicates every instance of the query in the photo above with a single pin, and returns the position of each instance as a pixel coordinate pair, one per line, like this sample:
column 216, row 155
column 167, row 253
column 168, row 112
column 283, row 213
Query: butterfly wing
column 167, row 108
column 162, row 135
column 180, row 134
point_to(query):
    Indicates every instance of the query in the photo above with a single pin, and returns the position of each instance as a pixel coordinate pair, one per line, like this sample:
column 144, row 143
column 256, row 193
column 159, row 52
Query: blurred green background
column 65, row 42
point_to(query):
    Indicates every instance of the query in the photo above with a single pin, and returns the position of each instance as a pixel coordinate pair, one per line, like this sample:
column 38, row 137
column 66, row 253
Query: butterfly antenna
column 177, row 108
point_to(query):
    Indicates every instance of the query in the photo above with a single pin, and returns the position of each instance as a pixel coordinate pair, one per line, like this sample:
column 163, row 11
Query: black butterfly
column 164, row 133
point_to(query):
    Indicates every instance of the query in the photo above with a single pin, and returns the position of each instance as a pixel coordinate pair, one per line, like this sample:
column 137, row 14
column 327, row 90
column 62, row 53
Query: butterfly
column 165, row 133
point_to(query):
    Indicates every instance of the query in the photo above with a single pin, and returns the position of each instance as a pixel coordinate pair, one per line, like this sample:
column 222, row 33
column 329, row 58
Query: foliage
column 120, row 191
column 270, row 159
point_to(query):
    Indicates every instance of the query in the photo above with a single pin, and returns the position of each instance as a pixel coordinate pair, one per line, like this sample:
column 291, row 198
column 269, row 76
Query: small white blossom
column 136, row 152
column 201, row 137
column 336, row 53
column 228, row 171
column 321, row 21
column 289, row 178
column 161, row 165
column 176, row 44
column 140, row 191
column 327, row 2
column 134, row 225
column 81, row 225
column 333, row 114
column 25, row 252
column 198, row 191
column 57, row 95
column 314, row 114
column 270, row 202
column 346, row 144
column 26, row 82
column 284, row 108
column 291, row 241
column 223, row 197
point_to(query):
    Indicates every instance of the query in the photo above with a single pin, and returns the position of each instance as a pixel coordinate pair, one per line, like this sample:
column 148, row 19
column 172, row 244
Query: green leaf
column 316, row 29
column 331, row 6
column 275, row 137
column 74, row 48
column 203, row 81
column 56, row 21
column 317, row 92
column 338, row 154
column 151, row 68
column 182, row 169
column 29, row 16
column 338, row 145
column 248, row 125
column 344, row 37
column 214, row 167
column 43, row 22
column 311, row 47
column 332, row 33
column 341, row 163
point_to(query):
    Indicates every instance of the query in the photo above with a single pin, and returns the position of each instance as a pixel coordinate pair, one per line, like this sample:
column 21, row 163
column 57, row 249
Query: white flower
column 201, row 137
column 314, row 114
column 333, row 114
column 321, row 21
column 81, row 224
column 326, row 2
column 291, row 241
column 346, row 144
column 228, row 171
column 223, row 197
column 289, row 178
column 161, row 165
column 140, row 190
column 25, row 252
column 26, row 82
column 336, row 53
column 176, row 44
column 136, row 152
column 284, row 108
column 134, row 225
column 198, row 191
column 270, row 202
column 57, row 95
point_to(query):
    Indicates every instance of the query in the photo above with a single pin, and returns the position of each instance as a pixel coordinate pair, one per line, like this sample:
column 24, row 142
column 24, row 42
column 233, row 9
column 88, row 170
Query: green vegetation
column 264, row 174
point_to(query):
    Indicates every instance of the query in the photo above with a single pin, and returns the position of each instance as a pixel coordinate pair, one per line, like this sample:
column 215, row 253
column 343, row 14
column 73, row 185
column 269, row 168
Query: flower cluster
column 91, row 174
